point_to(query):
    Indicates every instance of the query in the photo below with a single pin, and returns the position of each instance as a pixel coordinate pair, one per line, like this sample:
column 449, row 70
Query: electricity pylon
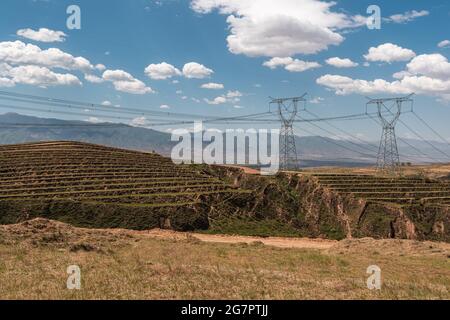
column 287, row 111
column 388, row 159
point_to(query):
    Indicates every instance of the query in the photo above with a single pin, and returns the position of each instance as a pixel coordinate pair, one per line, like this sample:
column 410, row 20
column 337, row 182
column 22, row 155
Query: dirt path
column 304, row 243
column 246, row 170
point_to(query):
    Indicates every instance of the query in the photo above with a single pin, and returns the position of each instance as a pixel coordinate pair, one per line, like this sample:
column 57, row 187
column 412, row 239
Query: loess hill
column 92, row 185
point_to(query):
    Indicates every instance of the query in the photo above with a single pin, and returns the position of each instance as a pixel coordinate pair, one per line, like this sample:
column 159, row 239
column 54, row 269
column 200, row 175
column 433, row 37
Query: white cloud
column 389, row 52
column 427, row 74
column 401, row 74
column 194, row 70
column 408, row 84
column 217, row 100
column 238, row 107
column 125, row 82
column 431, row 65
column 230, row 96
column 5, row 82
column 100, row 67
column 161, row 71
column 444, row 44
column 35, row 75
column 234, row 94
column 341, row 63
column 280, row 28
column 346, row 85
column 212, row 85
column 164, row 106
column 19, row 53
column 43, row 35
column 300, row 66
column 106, row 103
column 290, row 64
column 93, row 78
column 316, row 100
column 139, row 122
column 277, row 62
column 94, row 120
column 407, row 16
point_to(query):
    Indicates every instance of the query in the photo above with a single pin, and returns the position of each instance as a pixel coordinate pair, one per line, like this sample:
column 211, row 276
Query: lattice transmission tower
column 287, row 111
column 388, row 112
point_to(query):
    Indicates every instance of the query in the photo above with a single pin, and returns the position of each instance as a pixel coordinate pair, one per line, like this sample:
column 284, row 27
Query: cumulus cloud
column 427, row 74
column 161, row 71
column 217, row 100
column 5, row 82
column 19, row 53
column 407, row 82
column 43, row 35
column 230, row 96
column 100, row 67
column 444, row 44
column 125, row 82
column 280, row 28
column 290, row 64
column 93, row 78
column 139, row 122
column 194, row 70
column 431, row 65
column 346, row 85
column 94, row 120
column 389, row 52
column 341, row 63
column 407, row 16
column 34, row 75
column 106, row 103
column 212, row 85
column 164, row 106
column 234, row 94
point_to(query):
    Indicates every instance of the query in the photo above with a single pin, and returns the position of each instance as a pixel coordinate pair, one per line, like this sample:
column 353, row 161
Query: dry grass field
column 124, row 264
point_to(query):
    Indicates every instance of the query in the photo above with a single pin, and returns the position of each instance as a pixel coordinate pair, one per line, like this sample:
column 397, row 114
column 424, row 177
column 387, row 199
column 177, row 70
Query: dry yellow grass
column 434, row 171
column 135, row 265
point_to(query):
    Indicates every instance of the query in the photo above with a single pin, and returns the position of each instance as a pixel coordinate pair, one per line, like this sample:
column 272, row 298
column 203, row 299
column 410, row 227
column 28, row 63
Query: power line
column 348, row 134
column 333, row 142
column 411, row 146
column 424, row 140
column 431, row 128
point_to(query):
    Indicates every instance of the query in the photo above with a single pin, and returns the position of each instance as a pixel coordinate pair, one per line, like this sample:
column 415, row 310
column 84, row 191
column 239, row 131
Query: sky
column 226, row 57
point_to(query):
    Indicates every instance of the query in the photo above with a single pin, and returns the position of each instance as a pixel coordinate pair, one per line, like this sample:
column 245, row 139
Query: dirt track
column 304, row 243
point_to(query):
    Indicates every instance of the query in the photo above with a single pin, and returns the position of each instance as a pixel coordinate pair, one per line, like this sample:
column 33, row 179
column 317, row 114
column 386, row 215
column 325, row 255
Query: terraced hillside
column 99, row 186
column 412, row 207
column 397, row 190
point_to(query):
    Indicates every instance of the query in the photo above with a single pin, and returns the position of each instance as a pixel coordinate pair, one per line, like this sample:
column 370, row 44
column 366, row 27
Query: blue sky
column 254, row 49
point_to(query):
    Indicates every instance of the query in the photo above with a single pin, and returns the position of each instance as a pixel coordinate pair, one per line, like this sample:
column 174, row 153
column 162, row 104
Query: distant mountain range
column 312, row 150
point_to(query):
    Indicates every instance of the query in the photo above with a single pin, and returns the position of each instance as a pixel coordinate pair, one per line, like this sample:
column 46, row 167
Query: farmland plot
column 91, row 185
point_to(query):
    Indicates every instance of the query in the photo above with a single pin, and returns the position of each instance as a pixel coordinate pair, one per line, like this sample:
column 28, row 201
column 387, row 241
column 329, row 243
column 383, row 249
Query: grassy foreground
column 133, row 265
